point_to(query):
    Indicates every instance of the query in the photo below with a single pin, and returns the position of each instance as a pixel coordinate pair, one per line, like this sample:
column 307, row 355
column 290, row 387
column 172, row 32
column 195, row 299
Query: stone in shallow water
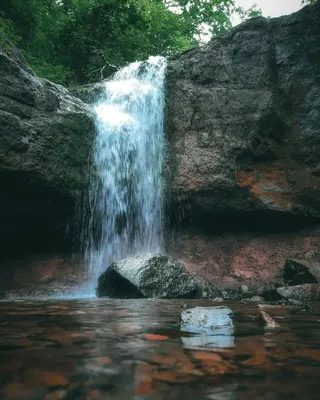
column 147, row 275
column 257, row 299
column 207, row 320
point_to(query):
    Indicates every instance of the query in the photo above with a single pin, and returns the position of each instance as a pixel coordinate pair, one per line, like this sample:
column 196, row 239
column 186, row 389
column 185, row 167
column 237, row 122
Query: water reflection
column 213, row 327
column 108, row 349
column 223, row 339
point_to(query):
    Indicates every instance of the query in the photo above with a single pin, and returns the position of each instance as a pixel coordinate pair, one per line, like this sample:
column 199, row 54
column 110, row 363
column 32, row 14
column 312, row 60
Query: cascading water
column 126, row 193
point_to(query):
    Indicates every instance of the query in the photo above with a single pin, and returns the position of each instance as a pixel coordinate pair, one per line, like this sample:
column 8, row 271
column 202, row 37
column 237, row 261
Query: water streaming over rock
column 126, row 190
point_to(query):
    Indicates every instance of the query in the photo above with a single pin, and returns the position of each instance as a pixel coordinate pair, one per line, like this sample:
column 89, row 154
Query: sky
column 272, row 8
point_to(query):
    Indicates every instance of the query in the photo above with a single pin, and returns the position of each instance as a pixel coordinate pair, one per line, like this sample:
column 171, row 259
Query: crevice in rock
column 256, row 221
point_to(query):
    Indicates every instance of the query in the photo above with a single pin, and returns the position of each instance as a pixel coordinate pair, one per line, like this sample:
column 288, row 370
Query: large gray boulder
column 46, row 136
column 243, row 120
column 147, row 275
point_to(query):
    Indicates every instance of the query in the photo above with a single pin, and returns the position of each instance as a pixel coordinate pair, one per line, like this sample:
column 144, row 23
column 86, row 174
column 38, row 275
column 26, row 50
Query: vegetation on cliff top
column 78, row 41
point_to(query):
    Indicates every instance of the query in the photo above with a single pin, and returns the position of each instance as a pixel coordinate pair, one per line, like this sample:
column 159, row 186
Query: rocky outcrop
column 46, row 137
column 242, row 154
column 229, row 259
column 297, row 272
column 243, row 121
column 150, row 275
column 303, row 293
column 41, row 275
column 243, row 150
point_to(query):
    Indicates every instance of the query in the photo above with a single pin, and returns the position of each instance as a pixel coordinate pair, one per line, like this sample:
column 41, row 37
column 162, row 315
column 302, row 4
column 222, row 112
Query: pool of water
column 133, row 349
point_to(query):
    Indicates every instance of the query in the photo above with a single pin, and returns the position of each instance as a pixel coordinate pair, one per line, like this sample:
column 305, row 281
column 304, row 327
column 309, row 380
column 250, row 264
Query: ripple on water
column 133, row 349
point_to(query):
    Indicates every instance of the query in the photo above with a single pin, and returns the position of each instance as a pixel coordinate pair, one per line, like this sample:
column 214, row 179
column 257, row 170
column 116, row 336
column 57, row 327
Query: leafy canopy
column 77, row 41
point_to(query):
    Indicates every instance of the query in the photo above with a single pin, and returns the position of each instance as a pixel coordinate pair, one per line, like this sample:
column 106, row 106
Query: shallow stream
column 133, row 349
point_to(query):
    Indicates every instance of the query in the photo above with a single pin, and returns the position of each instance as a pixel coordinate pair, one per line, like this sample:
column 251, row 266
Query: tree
column 76, row 41
column 209, row 17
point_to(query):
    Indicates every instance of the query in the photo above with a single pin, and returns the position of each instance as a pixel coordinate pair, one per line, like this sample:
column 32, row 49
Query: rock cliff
column 243, row 149
column 242, row 152
column 243, row 120
column 45, row 136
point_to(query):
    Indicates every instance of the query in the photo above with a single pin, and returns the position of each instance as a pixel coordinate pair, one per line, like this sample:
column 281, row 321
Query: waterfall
column 126, row 205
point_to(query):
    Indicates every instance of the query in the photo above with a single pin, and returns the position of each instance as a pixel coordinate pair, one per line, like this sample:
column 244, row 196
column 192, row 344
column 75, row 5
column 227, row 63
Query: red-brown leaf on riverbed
column 56, row 395
column 177, row 361
column 143, row 381
column 13, row 390
column 212, row 362
column 151, row 336
column 34, row 378
column 172, row 377
column 62, row 336
column 253, row 352
column 101, row 360
column 93, row 395
column 143, row 388
column 11, row 366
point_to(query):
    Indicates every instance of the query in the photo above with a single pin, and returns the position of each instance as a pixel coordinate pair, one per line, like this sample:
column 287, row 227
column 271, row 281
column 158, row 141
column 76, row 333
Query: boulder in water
column 207, row 320
column 147, row 275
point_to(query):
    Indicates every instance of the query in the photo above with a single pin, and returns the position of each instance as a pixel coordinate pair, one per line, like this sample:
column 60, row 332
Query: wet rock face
column 147, row 275
column 304, row 293
column 230, row 259
column 298, row 272
column 45, row 136
column 243, row 118
column 41, row 275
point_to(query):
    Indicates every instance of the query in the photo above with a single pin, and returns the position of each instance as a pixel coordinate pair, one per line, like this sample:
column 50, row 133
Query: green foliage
column 77, row 41
column 7, row 34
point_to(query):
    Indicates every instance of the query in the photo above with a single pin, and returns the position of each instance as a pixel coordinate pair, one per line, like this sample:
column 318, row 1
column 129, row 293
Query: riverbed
column 133, row 349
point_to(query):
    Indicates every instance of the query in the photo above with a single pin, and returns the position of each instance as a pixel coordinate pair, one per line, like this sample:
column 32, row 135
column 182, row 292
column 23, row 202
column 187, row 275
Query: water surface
column 119, row 349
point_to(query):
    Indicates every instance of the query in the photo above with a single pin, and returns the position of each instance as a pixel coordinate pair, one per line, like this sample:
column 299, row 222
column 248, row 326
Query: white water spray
column 126, row 209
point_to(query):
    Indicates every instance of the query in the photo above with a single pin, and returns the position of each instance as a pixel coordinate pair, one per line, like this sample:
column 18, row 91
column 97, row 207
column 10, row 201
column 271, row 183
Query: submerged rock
column 307, row 292
column 206, row 320
column 147, row 275
column 256, row 299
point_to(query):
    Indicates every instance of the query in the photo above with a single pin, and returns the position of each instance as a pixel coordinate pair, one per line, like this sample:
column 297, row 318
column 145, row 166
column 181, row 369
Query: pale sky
column 272, row 8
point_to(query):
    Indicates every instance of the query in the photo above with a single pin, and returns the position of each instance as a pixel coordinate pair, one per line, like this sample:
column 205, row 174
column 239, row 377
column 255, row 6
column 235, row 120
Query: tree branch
column 106, row 64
